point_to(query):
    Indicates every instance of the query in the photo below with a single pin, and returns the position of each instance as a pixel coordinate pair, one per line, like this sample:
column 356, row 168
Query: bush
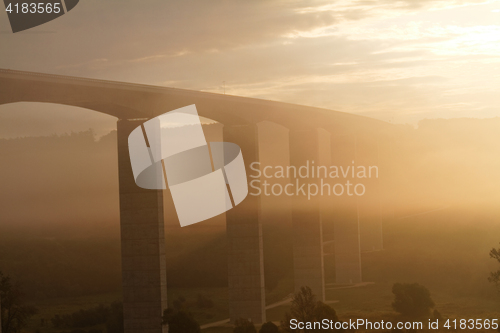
column 180, row 321
column 412, row 299
column 305, row 308
column 111, row 315
column 244, row 326
column 14, row 315
column 269, row 327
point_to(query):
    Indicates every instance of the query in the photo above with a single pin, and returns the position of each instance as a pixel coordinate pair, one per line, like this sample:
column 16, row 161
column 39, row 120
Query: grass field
column 372, row 302
column 446, row 251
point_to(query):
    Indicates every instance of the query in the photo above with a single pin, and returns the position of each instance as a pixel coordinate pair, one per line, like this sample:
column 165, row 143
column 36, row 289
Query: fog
column 437, row 189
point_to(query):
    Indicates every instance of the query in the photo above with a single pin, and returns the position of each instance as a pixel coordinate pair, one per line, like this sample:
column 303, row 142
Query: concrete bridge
column 325, row 136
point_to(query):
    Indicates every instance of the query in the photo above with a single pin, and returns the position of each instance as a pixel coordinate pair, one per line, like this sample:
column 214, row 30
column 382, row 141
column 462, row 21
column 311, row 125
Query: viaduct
column 348, row 226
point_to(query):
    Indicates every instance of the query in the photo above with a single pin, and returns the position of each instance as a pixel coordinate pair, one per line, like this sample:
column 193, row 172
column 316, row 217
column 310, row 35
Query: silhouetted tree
column 324, row 311
column 412, row 299
column 305, row 308
column 495, row 276
column 14, row 313
column 244, row 326
column 111, row 315
column 269, row 327
column 180, row 321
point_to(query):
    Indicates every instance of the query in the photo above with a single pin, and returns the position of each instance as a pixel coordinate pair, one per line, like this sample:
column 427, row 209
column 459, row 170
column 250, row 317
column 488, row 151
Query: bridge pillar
column 275, row 208
column 370, row 220
column 306, row 147
column 386, row 166
column 142, row 246
column 244, row 239
column 345, row 218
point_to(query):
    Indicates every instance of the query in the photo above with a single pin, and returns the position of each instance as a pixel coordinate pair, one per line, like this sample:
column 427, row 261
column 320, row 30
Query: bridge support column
column 142, row 245
column 386, row 165
column 370, row 220
column 276, row 209
column 345, row 218
column 244, row 239
column 305, row 147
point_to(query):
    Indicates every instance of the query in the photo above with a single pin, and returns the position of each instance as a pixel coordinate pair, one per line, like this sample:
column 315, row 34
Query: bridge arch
column 141, row 211
column 66, row 162
column 43, row 118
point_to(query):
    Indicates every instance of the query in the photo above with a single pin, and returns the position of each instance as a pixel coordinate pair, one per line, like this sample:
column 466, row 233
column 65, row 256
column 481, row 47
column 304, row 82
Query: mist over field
column 60, row 217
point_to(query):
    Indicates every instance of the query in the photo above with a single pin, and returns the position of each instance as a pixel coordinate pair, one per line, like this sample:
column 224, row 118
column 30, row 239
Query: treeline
column 52, row 268
column 110, row 316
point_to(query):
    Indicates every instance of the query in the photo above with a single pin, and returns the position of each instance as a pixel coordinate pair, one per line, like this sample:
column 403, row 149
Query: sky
column 398, row 61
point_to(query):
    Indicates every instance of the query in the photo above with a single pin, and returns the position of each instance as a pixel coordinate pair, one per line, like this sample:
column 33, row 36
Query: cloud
column 376, row 58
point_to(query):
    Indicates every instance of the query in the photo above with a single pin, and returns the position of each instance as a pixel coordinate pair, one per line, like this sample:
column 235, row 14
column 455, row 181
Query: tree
column 14, row 314
column 269, row 327
column 244, row 326
column 412, row 299
column 495, row 276
column 324, row 311
column 111, row 316
column 180, row 321
column 305, row 308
